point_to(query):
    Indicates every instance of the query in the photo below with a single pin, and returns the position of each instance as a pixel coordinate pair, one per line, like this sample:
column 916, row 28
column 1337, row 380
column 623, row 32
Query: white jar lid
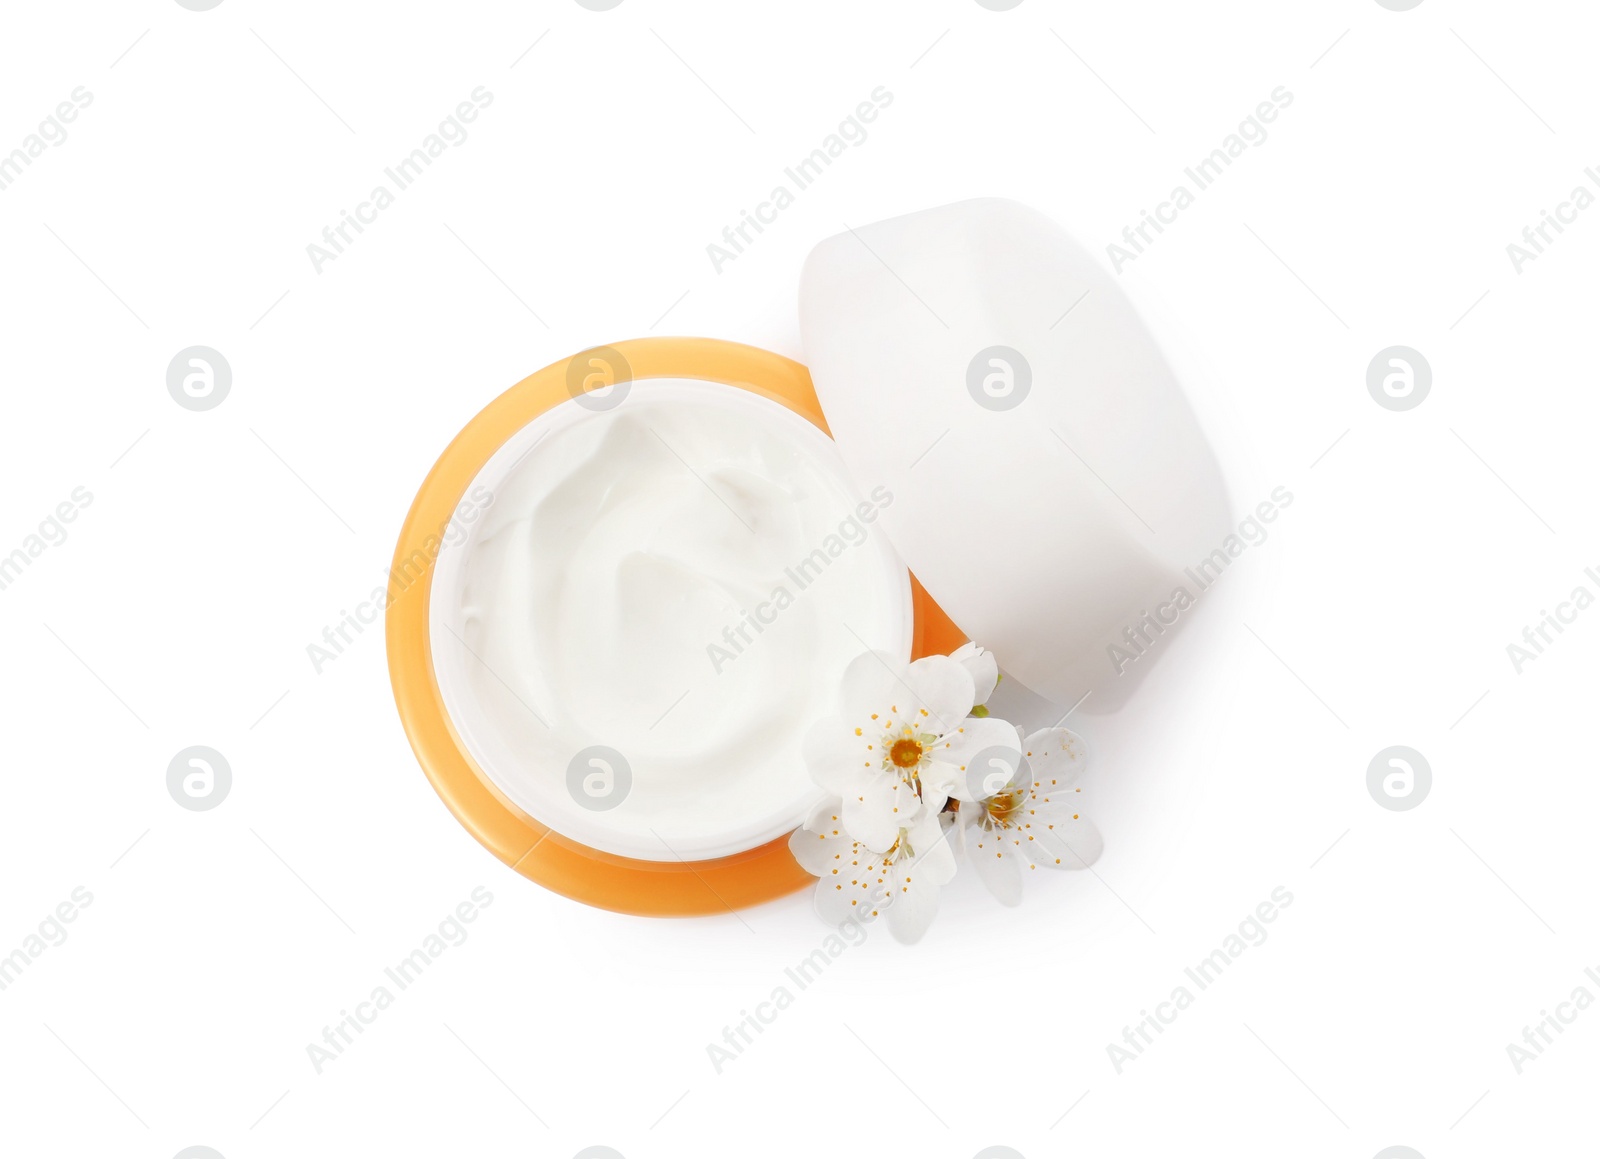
column 1053, row 485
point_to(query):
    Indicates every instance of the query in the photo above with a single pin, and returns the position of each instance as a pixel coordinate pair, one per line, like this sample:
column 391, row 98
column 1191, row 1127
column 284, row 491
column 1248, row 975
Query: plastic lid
column 1051, row 485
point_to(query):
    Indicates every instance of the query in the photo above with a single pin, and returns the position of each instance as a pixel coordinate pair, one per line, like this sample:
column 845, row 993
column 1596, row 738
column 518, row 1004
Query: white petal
column 877, row 805
column 985, row 672
column 939, row 780
column 868, row 685
column 943, row 692
column 933, row 855
column 819, row 844
column 882, row 695
column 856, row 892
column 912, row 911
column 824, row 817
column 913, row 884
column 1058, row 757
column 981, row 755
column 998, row 862
column 1074, row 845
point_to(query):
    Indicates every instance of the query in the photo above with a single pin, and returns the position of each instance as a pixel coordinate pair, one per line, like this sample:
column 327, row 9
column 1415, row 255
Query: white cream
column 681, row 580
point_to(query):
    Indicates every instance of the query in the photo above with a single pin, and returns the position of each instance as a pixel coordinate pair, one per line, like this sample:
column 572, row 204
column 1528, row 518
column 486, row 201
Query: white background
column 219, row 944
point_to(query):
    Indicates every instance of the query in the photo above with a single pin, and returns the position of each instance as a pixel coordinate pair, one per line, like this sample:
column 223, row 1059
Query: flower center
column 906, row 753
column 1002, row 808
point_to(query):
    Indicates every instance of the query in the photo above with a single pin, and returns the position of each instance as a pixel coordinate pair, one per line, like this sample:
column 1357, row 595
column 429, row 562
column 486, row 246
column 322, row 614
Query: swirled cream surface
column 651, row 608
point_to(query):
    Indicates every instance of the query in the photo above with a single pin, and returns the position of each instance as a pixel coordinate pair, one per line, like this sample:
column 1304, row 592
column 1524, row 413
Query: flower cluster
column 914, row 766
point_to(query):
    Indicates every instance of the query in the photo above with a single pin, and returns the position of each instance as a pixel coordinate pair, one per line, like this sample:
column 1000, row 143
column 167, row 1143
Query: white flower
column 901, row 744
column 856, row 883
column 985, row 672
column 1034, row 820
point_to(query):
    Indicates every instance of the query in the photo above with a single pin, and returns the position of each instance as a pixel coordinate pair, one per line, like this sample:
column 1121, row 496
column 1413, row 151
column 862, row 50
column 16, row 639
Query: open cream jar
column 659, row 596
column 633, row 581
column 610, row 623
